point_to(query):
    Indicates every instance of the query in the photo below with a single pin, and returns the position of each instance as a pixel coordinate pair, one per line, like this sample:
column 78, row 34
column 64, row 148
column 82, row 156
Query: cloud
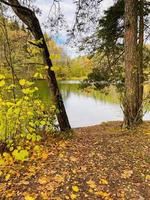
column 68, row 8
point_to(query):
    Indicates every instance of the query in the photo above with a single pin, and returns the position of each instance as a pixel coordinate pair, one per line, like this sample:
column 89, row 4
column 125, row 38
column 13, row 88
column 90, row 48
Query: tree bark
column 29, row 18
column 131, row 105
column 140, row 62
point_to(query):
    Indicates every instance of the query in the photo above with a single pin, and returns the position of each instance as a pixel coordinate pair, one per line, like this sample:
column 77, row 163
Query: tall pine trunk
column 29, row 18
column 131, row 104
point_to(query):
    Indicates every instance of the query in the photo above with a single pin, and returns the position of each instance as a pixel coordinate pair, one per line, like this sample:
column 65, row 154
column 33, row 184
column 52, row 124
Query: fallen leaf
column 44, row 156
column 73, row 159
column 1, row 173
column 73, row 196
column 90, row 190
column 103, row 182
column 44, row 195
column 58, row 198
column 42, row 180
column 7, row 177
column 83, row 168
column 62, row 144
column 32, row 169
column 126, row 174
column 28, row 197
column 147, row 177
column 61, row 155
column 59, row 178
column 75, row 188
column 24, row 182
column 103, row 195
column 91, row 184
column 10, row 193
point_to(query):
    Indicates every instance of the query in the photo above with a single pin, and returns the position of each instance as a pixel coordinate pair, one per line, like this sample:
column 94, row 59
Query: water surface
column 85, row 109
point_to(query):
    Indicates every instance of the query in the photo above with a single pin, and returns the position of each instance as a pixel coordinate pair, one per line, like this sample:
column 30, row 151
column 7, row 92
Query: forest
column 74, row 99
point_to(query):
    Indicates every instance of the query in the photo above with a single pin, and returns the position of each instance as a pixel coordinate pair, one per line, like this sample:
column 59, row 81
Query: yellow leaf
column 46, row 67
column 103, row 194
column 7, row 177
column 43, row 180
column 75, row 188
column 148, row 177
column 62, row 144
column 73, row 196
column 28, row 197
column 22, row 82
column 32, row 169
column 91, row 184
column 10, row 194
column 90, row 190
column 2, row 83
column 103, row 182
column 61, row 155
column 44, row 155
column 44, row 195
column 2, row 162
column 2, row 76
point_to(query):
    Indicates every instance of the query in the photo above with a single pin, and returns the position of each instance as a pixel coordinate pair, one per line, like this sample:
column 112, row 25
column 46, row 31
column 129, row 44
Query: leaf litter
column 99, row 162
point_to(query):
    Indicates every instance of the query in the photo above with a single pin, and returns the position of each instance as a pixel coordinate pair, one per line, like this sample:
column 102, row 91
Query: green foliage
column 104, row 74
column 106, row 47
column 75, row 69
column 28, row 57
column 111, row 26
column 21, row 155
column 22, row 118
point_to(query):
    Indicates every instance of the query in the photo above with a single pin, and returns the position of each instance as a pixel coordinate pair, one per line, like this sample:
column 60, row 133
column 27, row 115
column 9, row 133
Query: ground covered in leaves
column 99, row 162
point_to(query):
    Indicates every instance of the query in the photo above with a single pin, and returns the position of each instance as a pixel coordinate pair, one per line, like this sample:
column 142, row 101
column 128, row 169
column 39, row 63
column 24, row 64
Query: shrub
column 24, row 117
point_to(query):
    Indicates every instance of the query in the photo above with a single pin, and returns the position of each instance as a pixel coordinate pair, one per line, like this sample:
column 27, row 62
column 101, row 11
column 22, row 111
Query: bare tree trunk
column 29, row 18
column 140, row 62
column 131, row 106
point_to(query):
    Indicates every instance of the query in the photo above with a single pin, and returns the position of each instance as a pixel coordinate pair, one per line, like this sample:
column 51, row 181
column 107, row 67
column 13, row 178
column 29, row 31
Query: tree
column 106, row 45
column 140, row 61
column 28, row 17
column 131, row 106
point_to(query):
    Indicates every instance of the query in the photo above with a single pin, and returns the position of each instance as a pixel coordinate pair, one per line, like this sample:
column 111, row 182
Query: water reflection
column 85, row 109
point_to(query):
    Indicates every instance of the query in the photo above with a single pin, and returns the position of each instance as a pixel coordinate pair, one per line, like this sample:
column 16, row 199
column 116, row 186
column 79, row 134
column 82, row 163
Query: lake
column 86, row 108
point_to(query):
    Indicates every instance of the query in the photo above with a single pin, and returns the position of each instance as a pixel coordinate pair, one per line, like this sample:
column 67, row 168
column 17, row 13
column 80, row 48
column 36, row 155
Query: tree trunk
column 131, row 106
column 140, row 62
column 29, row 18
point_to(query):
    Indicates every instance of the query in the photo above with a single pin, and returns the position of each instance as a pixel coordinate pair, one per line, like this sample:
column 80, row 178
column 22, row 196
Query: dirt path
column 100, row 162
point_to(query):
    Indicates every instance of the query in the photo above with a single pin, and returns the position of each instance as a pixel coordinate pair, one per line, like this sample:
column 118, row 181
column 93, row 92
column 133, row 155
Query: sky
column 68, row 8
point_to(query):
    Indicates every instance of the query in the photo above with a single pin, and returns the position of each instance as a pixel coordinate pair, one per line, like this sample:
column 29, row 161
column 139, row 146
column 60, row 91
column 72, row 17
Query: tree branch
column 13, row 5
